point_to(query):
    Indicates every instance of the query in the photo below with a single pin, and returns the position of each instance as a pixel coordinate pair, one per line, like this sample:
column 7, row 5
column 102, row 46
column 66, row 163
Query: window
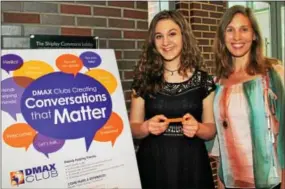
column 262, row 14
column 283, row 32
column 156, row 6
column 243, row 3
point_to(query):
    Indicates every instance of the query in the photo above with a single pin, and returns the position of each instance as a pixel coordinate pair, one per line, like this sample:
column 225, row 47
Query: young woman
column 171, row 108
column 249, row 105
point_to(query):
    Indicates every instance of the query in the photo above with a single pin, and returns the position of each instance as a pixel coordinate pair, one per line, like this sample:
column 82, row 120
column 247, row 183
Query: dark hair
column 223, row 58
column 148, row 76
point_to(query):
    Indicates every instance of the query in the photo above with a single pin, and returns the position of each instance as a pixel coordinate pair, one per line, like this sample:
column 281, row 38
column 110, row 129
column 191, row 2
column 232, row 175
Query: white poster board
column 64, row 121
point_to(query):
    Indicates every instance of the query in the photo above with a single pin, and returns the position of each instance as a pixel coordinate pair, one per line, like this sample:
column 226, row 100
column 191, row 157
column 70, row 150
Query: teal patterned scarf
column 263, row 150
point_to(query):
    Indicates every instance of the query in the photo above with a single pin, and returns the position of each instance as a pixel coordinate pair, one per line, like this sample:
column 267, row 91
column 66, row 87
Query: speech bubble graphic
column 11, row 62
column 11, row 94
column 19, row 135
column 111, row 130
column 61, row 106
column 33, row 69
column 106, row 78
column 47, row 145
column 69, row 63
column 90, row 59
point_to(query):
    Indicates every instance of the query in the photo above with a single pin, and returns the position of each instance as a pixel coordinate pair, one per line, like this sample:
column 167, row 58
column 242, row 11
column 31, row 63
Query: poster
column 64, row 121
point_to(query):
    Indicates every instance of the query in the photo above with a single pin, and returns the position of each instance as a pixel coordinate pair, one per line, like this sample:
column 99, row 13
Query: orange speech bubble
column 69, row 63
column 111, row 130
column 19, row 135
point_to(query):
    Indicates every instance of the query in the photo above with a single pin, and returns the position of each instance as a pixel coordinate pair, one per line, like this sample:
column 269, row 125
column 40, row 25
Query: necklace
column 171, row 71
column 225, row 106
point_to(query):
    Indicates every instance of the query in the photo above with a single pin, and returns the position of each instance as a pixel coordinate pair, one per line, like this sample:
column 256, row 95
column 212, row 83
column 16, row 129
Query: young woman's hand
column 190, row 125
column 157, row 124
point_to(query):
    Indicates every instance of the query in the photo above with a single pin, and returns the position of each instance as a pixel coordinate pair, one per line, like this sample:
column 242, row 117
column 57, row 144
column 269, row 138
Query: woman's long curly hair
column 223, row 58
column 148, row 76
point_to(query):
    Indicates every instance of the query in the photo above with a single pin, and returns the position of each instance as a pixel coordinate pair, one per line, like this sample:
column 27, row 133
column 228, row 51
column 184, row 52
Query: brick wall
column 120, row 25
column 204, row 17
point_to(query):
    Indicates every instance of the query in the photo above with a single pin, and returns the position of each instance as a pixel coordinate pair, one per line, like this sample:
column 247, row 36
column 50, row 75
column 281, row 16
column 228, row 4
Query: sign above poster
column 62, row 41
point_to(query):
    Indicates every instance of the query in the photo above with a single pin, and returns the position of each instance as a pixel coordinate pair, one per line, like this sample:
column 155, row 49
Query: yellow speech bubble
column 105, row 78
column 19, row 135
column 111, row 130
column 33, row 69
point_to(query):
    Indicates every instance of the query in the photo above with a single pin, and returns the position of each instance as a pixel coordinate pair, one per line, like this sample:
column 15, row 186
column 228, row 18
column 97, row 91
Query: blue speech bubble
column 11, row 94
column 46, row 144
column 90, row 59
column 11, row 62
column 61, row 106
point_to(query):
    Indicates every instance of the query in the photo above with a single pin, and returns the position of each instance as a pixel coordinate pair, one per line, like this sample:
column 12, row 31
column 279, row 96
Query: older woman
column 249, row 105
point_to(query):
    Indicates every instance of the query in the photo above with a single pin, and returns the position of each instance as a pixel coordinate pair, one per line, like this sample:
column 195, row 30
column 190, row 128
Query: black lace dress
column 172, row 160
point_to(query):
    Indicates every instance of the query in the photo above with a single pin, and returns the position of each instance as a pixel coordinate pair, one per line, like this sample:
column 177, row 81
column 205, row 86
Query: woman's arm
column 283, row 179
column 207, row 129
column 140, row 128
column 137, row 113
column 280, row 70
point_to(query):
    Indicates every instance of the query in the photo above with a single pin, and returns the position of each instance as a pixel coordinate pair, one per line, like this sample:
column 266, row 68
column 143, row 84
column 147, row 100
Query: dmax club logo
column 17, row 178
column 33, row 174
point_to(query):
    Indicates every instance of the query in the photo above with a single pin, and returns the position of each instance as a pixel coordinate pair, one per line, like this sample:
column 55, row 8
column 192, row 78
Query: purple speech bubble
column 90, row 59
column 46, row 144
column 10, row 62
column 61, row 106
column 11, row 94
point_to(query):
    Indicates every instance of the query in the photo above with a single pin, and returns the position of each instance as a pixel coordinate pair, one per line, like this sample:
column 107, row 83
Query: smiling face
column 168, row 40
column 239, row 35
